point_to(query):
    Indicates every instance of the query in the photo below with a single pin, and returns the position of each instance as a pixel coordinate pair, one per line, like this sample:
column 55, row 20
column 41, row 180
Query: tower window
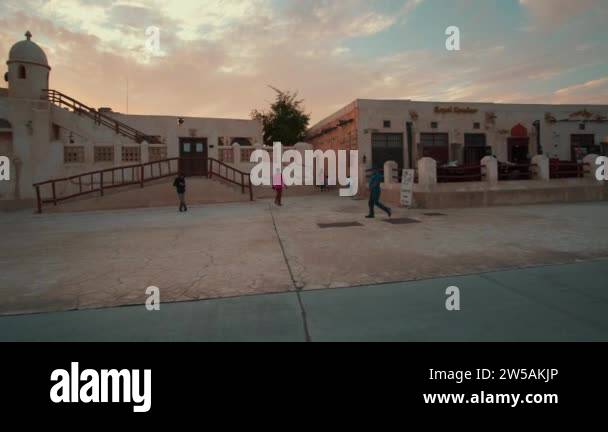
column 22, row 74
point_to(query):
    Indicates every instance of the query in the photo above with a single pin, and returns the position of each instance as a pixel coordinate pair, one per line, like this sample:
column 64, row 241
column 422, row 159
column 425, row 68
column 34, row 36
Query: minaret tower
column 28, row 70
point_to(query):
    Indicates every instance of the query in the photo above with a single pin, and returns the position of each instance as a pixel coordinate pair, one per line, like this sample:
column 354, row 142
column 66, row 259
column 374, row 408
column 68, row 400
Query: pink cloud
column 551, row 13
column 228, row 77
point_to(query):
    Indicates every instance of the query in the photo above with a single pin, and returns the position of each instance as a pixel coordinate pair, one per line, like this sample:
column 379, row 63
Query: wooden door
column 193, row 156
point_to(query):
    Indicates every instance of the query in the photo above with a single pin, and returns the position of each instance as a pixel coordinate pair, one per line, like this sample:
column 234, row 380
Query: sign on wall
column 407, row 188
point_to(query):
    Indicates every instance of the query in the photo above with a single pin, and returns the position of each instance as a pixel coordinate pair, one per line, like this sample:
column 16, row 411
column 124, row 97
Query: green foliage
column 286, row 120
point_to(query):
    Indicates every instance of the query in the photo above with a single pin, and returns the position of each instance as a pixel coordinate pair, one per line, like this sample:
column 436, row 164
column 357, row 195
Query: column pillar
column 427, row 172
column 542, row 167
column 491, row 168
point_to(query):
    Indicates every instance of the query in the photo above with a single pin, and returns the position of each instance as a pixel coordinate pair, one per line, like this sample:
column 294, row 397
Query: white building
column 47, row 134
column 462, row 133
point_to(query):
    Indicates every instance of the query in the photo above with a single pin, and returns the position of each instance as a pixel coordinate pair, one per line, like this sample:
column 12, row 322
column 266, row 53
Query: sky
column 217, row 58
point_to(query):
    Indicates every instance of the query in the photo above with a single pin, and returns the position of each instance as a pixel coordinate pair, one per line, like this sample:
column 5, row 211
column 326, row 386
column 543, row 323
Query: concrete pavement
column 56, row 262
column 547, row 303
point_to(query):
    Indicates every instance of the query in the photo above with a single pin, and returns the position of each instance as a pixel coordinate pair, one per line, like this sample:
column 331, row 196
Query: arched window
column 22, row 74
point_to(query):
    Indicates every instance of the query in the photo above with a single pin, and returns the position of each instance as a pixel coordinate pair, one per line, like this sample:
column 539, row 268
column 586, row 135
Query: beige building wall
column 457, row 119
column 41, row 133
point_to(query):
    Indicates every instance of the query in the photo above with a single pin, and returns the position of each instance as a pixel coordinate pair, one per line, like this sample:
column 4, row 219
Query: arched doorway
column 519, row 145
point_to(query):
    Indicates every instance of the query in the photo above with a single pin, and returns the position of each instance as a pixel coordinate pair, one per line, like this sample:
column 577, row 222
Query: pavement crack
column 296, row 285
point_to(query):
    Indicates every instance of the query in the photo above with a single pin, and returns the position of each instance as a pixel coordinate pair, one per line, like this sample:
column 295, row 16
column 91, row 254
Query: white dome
column 26, row 51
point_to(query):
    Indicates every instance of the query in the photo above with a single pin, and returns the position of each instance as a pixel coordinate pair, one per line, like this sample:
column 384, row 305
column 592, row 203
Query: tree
column 286, row 120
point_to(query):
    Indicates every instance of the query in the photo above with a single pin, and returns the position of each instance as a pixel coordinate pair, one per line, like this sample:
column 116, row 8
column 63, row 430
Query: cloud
column 219, row 59
column 552, row 13
column 593, row 91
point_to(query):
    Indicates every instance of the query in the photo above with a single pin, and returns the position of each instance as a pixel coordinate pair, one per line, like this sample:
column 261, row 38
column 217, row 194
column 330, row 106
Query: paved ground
column 549, row 303
column 161, row 193
column 55, row 262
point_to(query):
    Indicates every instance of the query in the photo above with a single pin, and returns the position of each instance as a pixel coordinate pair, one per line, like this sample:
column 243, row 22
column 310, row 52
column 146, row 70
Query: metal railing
column 459, row 174
column 64, row 101
column 513, row 171
column 102, row 180
column 566, row 169
column 231, row 175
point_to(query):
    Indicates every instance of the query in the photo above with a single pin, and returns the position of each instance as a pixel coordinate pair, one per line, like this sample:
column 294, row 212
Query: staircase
column 64, row 101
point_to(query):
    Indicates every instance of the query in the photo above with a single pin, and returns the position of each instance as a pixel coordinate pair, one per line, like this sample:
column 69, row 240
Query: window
column 246, row 154
column 434, row 125
column 73, row 154
column 226, row 155
column 241, row 141
column 387, row 123
column 387, row 147
column 435, row 145
column 474, row 148
column 581, row 145
column 22, row 73
column 131, row 154
column 104, row 154
column 157, row 153
column 476, row 125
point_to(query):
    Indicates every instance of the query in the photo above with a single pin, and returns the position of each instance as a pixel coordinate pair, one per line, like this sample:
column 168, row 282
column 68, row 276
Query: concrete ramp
column 155, row 194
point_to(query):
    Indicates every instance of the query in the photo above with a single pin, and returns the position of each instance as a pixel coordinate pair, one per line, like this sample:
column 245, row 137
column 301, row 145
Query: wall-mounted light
column 180, row 121
column 71, row 138
column 364, row 159
column 30, row 127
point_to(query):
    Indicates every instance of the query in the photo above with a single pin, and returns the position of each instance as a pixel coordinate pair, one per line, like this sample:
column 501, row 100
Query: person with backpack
column 180, row 186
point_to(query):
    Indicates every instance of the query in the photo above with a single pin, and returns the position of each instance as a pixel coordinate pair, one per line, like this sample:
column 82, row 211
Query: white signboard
column 407, row 187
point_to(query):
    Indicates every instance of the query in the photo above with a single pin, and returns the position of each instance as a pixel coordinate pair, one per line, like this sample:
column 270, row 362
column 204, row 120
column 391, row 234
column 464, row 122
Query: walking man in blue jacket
column 374, row 194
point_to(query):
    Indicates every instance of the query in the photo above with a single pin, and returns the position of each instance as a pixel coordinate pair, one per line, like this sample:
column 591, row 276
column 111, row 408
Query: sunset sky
column 219, row 56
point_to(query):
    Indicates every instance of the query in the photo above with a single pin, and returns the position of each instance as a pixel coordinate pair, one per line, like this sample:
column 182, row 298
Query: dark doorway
column 519, row 150
column 474, row 148
column 193, row 156
column 387, row 147
column 435, row 145
column 580, row 146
